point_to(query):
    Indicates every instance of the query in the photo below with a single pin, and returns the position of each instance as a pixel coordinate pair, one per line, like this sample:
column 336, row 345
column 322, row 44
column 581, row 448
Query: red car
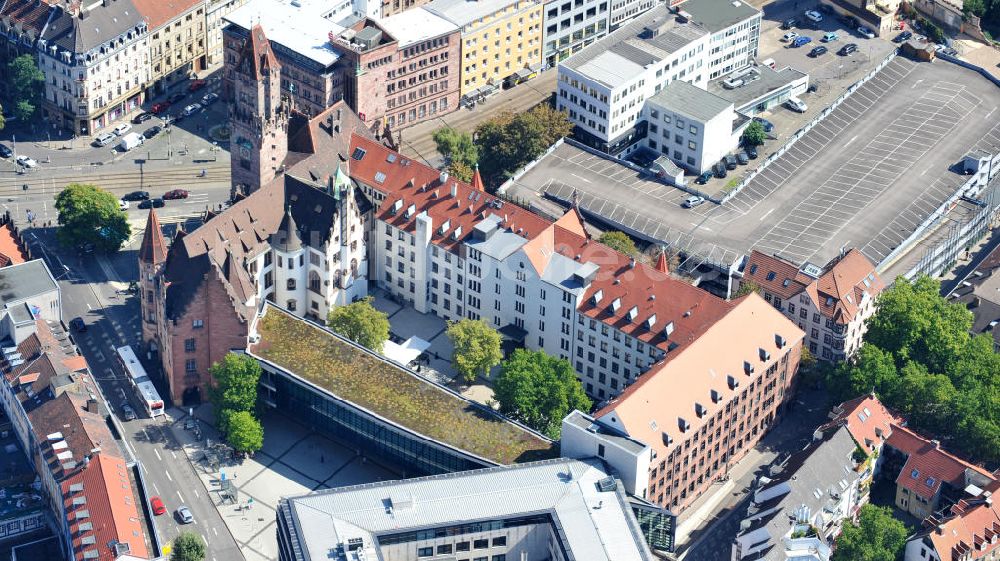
column 160, row 107
column 157, row 505
column 175, row 194
column 196, row 85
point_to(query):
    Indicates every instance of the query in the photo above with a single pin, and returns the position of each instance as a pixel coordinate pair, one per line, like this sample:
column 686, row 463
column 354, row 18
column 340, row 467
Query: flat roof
column 717, row 15
column 770, row 80
column 416, row 25
column 594, row 517
column 691, row 101
column 25, row 280
column 464, row 12
column 301, row 26
column 373, row 383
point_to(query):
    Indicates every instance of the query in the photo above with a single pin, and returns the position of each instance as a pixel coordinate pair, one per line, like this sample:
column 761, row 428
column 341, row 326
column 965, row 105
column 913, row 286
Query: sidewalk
column 293, row 461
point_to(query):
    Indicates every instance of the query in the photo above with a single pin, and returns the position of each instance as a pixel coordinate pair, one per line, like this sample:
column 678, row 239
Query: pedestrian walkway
column 293, row 461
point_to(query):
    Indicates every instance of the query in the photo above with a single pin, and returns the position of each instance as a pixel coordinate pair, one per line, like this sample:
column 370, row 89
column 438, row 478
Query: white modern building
column 215, row 13
column 559, row 510
column 605, row 86
column 624, row 10
column 571, row 25
column 692, row 126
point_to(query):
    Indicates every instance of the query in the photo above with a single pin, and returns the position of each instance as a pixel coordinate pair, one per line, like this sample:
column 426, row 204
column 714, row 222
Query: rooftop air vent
column 443, row 178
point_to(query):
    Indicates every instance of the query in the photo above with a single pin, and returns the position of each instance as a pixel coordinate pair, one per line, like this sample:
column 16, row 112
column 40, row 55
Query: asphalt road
column 90, row 289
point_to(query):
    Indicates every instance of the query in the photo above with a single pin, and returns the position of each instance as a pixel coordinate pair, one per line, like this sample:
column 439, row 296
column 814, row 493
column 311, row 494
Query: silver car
column 184, row 515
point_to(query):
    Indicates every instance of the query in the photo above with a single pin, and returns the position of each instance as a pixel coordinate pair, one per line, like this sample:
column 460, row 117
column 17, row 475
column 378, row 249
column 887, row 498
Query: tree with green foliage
column 3, row 121
column 362, row 323
column 509, row 141
column 234, row 387
column 539, row 390
column 620, row 242
column 90, row 215
column 188, row 546
column 476, row 348
column 746, row 287
column 460, row 153
column 754, row 134
column 877, row 536
column 25, row 86
column 245, row 433
column 973, row 7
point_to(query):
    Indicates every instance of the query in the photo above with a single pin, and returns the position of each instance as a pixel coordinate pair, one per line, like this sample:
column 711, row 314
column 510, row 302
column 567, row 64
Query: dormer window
column 651, row 321
column 615, row 305
column 597, row 297
column 445, row 226
column 716, row 396
column 764, row 355
column 747, row 367
column 732, row 381
column 683, row 425
column 779, row 341
column 699, row 410
column 633, row 313
column 396, row 206
column 410, row 211
column 457, row 233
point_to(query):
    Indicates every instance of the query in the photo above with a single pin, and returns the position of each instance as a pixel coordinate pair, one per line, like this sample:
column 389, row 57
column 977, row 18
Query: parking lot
column 865, row 177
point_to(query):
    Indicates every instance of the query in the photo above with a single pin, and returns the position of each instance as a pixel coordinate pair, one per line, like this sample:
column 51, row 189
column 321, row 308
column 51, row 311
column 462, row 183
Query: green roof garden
column 373, row 383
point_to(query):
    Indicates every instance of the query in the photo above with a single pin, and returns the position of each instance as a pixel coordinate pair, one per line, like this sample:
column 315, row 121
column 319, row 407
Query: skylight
column 931, row 481
column 915, row 473
column 359, row 154
column 379, row 177
column 770, row 275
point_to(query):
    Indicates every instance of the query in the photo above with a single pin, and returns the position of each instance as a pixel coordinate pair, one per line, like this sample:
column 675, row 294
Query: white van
column 796, row 104
column 130, row 141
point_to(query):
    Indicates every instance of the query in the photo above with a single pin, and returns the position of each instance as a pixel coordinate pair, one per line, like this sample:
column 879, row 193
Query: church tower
column 152, row 258
column 258, row 115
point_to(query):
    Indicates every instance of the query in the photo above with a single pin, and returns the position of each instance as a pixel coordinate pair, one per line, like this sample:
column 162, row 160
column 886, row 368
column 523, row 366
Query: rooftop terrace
column 389, row 391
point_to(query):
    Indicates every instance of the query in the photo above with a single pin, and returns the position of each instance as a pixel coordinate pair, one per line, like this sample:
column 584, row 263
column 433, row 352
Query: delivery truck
column 130, row 141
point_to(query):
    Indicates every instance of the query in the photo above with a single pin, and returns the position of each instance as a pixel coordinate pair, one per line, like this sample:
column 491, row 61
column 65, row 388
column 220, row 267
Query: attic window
column 931, row 481
column 862, row 417
column 359, row 154
column 753, row 268
column 787, row 282
column 915, row 473
column 867, row 411
column 829, row 300
column 379, row 177
column 770, row 275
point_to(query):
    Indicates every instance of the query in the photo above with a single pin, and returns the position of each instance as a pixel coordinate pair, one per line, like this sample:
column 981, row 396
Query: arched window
column 314, row 282
column 291, row 284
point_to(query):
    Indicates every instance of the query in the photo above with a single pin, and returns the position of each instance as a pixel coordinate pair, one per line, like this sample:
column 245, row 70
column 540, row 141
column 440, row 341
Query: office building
column 734, row 29
column 176, row 41
column 557, row 509
column 571, row 25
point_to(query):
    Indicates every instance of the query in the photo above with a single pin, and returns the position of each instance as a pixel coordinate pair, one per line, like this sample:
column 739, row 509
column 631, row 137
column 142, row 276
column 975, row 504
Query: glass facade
column 460, row 529
column 409, row 453
column 657, row 526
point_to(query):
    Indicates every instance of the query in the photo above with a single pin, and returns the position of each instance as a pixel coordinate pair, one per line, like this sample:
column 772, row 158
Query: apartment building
column 215, row 14
column 980, row 291
column 968, row 531
column 499, row 38
column 176, row 41
column 571, row 25
column 692, row 126
column 556, row 509
column 734, row 29
column 624, row 10
column 799, row 506
column 830, row 303
column 605, row 86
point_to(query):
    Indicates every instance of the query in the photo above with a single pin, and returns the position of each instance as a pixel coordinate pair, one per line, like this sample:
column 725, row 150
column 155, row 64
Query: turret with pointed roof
column 286, row 238
column 154, row 248
column 477, row 181
column 661, row 262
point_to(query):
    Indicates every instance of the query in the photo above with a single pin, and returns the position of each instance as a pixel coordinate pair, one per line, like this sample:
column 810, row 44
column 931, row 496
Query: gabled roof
column 318, row 145
column 868, row 421
column 843, row 285
column 775, row 275
column 972, row 528
column 112, row 515
column 100, row 25
column 160, row 12
column 927, row 465
column 154, row 247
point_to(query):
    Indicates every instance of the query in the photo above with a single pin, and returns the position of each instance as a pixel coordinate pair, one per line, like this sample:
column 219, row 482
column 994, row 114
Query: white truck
column 130, row 141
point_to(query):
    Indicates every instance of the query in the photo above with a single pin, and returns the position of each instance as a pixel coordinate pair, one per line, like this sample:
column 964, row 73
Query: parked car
column 152, row 131
column 184, row 515
column 769, row 62
column 136, row 196
column 103, row 139
column 5, row 151
column 818, row 51
column 799, row 41
column 742, row 158
column 157, row 505
column 128, row 414
column 123, row 205
column 209, row 98
column 768, row 125
column 703, row 178
column 904, row 36
column 814, row 16
column 175, row 194
column 192, row 109
column 829, row 37
column 160, row 107
column 77, row 324
column 790, row 36
column 865, row 32
column 720, row 170
column 752, row 152
column 693, row 201
column 848, row 49
column 796, row 104
column 789, row 23
column 730, row 162
column 142, row 118
column 130, row 141
column 152, row 203
column 174, row 98
column 26, row 161
column 122, row 129
column 196, row 85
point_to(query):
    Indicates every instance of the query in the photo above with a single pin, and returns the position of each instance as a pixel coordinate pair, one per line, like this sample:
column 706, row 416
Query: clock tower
column 258, row 115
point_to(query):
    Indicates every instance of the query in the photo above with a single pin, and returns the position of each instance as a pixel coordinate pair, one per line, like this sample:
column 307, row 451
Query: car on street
column 693, row 201
column 790, row 36
column 184, row 515
column 152, row 203
column 799, row 41
column 904, row 36
column 703, row 178
column 829, row 37
column 176, row 97
column 160, row 107
column 136, row 196
column 175, row 194
column 142, row 118
column 848, row 49
column 157, row 505
column 796, row 104
column 752, row 152
column 103, row 139
column 26, row 161
column 196, row 85
column 122, row 129
column 865, row 32
column 818, row 51
column 742, row 158
column 123, row 205
column 814, row 16
column 209, row 98
column 77, row 324
column 192, row 109
column 789, row 23
column 152, row 131
column 5, row 151
column 128, row 414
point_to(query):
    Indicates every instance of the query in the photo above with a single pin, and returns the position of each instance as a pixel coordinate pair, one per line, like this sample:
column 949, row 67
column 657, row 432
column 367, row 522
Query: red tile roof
column 112, row 515
column 257, row 58
column 971, row 532
column 154, row 247
column 868, row 421
column 159, row 12
column 927, row 465
column 775, row 275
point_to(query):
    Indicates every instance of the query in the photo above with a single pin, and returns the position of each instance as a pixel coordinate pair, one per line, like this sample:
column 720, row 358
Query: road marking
column 174, row 454
column 584, row 179
column 179, row 496
column 850, row 141
column 216, row 532
column 990, row 113
column 170, row 478
column 157, row 452
column 196, row 493
column 765, row 214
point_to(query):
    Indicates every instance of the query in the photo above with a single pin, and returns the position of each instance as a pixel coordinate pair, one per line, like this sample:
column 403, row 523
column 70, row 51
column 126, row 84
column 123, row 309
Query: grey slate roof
column 769, row 81
column 690, row 100
column 717, row 15
column 100, row 25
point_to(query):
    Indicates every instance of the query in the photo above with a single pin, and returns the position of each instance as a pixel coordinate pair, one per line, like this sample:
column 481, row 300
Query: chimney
column 93, row 406
column 443, row 178
column 631, row 262
column 454, row 186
